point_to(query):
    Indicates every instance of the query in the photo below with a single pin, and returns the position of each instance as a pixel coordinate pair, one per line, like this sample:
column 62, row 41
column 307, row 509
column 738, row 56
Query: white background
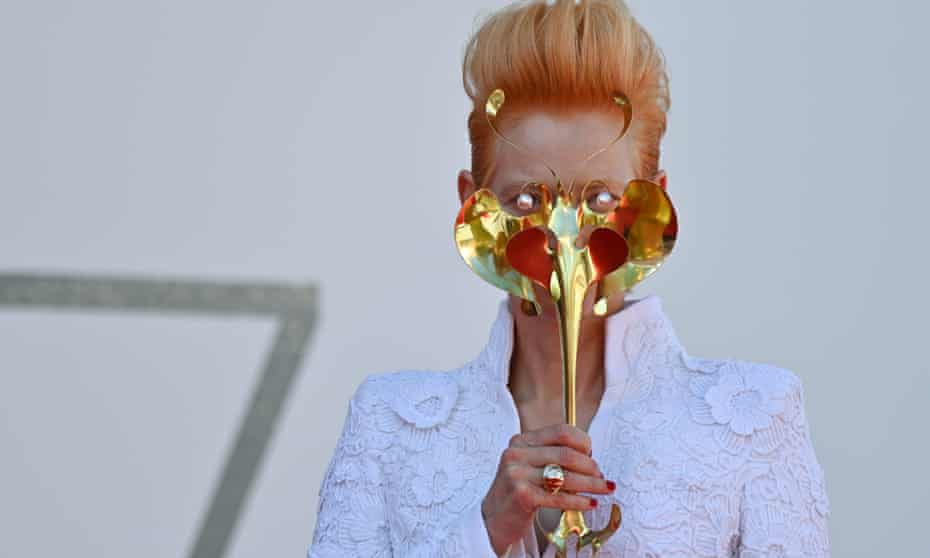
column 319, row 141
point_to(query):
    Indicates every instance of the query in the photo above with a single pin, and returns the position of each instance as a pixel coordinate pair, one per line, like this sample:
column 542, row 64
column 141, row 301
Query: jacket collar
column 632, row 333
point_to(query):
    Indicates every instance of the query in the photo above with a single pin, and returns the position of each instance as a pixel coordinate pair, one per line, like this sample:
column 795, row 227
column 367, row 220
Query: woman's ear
column 466, row 185
column 661, row 179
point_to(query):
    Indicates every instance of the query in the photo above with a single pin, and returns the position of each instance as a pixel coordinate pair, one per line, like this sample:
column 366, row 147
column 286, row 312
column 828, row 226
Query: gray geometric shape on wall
column 295, row 307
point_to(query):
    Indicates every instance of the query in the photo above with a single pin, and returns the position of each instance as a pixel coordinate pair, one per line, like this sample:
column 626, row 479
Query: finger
column 568, row 458
column 554, row 435
column 574, row 482
column 563, row 501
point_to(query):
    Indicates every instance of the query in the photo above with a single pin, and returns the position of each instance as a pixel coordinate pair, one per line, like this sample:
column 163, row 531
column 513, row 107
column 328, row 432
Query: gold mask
column 567, row 247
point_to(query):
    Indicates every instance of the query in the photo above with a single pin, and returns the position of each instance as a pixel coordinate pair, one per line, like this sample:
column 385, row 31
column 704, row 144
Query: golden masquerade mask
column 567, row 247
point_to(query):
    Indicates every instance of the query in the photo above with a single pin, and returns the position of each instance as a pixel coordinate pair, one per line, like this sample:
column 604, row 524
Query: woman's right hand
column 517, row 490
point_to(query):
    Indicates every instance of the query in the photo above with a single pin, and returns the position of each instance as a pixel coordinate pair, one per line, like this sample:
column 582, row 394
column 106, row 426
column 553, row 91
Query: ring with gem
column 553, row 477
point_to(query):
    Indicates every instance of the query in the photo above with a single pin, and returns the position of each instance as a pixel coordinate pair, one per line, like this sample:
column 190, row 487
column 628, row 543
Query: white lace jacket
column 711, row 458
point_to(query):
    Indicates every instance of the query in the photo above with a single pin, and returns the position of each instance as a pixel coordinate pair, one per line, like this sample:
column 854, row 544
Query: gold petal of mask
column 646, row 218
column 483, row 230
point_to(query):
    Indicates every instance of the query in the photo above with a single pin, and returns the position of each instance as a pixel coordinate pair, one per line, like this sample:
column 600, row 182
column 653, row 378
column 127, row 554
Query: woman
column 704, row 457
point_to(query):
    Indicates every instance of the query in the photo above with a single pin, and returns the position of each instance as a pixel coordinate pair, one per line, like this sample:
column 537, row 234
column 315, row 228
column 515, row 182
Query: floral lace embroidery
column 712, row 458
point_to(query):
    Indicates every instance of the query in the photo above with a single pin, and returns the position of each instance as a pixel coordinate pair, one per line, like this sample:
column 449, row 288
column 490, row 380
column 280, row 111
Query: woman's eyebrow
column 609, row 183
column 514, row 187
column 604, row 180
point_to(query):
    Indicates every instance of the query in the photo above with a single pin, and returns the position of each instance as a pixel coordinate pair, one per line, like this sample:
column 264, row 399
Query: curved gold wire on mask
column 566, row 247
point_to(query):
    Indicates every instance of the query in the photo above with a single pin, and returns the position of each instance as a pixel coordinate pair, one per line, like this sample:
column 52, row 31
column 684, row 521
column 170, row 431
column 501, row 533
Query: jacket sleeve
column 784, row 506
column 353, row 517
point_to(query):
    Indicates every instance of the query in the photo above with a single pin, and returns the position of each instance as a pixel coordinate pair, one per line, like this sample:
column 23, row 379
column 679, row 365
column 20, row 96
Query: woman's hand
column 517, row 490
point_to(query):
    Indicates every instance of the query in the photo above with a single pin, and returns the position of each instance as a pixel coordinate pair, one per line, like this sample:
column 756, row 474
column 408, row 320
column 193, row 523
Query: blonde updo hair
column 566, row 55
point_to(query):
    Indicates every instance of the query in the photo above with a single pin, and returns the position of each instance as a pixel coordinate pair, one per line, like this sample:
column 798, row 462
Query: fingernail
column 593, row 503
column 611, row 485
column 601, row 474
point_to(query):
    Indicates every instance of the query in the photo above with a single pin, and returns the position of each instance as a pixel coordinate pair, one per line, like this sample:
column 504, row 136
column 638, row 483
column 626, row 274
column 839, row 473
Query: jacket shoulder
column 715, row 369
column 747, row 396
column 421, row 398
column 385, row 386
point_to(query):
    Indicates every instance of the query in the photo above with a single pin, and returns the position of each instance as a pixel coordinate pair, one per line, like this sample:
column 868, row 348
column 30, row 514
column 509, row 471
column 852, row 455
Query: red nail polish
column 611, row 485
column 593, row 503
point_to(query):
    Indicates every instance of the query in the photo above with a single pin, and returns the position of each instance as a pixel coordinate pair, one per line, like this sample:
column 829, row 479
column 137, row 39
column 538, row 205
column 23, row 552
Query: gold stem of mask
column 568, row 291
column 569, row 300
column 572, row 274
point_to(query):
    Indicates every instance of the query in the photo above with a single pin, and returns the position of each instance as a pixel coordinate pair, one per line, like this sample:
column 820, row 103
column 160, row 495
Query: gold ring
column 553, row 477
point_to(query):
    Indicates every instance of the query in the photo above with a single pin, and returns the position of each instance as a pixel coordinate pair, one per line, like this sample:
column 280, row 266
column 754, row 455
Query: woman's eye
column 602, row 201
column 526, row 201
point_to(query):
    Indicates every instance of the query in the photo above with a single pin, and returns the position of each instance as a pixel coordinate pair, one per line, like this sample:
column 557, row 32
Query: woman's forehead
column 563, row 141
